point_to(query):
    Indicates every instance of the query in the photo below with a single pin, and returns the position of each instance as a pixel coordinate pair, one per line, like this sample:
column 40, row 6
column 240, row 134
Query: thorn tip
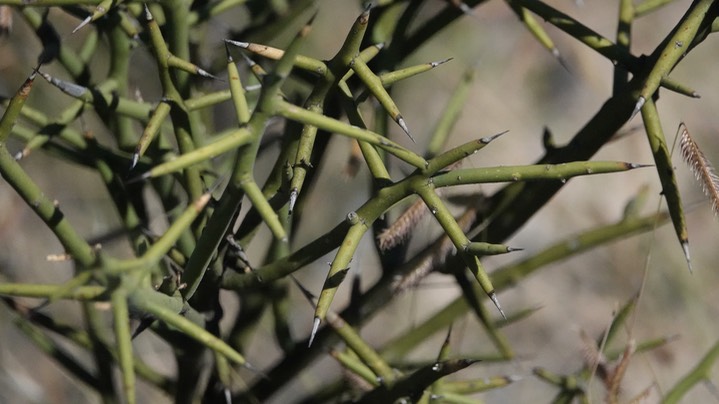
column 315, row 327
column 293, row 199
column 685, row 248
column 402, row 124
column 493, row 297
column 638, row 106
column 135, row 159
column 82, row 24
column 243, row 45
column 489, row 139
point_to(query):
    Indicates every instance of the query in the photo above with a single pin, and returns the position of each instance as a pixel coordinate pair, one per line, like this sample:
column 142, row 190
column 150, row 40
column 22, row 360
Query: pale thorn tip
column 315, row 327
column 293, row 199
column 402, row 124
column 82, row 24
column 19, row 155
column 685, row 248
column 205, row 73
column 440, row 62
column 560, row 59
column 493, row 297
column 135, row 159
column 148, row 14
column 489, row 139
column 244, row 45
column 638, row 106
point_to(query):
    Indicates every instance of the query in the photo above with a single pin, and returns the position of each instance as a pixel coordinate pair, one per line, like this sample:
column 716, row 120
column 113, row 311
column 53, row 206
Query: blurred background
column 519, row 87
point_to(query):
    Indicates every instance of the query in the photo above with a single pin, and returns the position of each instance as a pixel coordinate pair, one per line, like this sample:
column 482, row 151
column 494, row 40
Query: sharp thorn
column 243, row 45
column 560, row 59
column 293, row 199
column 82, row 24
column 205, row 73
column 135, row 159
column 513, row 249
column 493, row 297
column 632, row 166
column 685, row 248
column 440, row 62
column 488, row 139
column 19, row 155
column 148, row 14
column 638, row 106
column 315, row 327
column 402, row 124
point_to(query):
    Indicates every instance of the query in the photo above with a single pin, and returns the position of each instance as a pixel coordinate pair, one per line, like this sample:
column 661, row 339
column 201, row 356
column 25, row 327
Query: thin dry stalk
column 615, row 376
column 700, row 166
column 400, row 230
column 643, row 396
column 435, row 258
column 611, row 374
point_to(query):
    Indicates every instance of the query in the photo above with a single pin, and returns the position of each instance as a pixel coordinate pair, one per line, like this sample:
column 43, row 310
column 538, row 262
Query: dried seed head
column 700, row 166
column 400, row 230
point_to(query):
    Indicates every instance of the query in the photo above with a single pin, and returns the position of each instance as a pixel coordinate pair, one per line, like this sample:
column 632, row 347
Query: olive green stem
column 123, row 340
column 162, row 245
column 48, row 210
column 91, row 293
column 675, row 47
column 173, row 319
column 353, row 364
column 340, row 264
column 308, row 117
column 545, row 172
column 366, row 353
column 670, row 188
